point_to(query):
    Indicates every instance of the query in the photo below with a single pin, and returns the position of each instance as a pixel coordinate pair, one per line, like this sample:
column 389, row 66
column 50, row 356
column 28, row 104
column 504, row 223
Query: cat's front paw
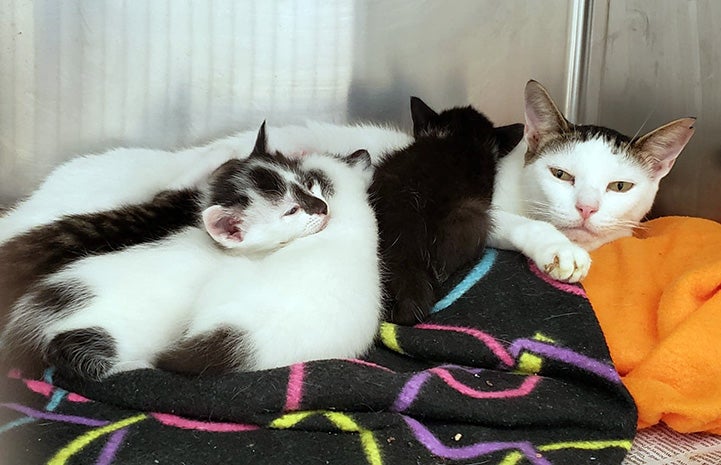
column 564, row 262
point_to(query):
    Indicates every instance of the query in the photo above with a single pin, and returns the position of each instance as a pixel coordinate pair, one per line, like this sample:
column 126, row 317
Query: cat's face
column 264, row 202
column 594, row 184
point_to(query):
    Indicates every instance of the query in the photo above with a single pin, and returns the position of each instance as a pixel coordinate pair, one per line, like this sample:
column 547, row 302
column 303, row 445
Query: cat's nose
column 586, row 210
column 316, row 206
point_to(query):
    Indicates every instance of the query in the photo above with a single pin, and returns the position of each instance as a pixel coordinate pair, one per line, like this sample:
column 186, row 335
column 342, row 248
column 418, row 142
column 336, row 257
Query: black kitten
column 432, row 202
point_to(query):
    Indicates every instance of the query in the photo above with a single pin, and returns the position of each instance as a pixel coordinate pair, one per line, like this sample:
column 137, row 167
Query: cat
column 127, row 176
column 104, row 314
column 567, row 189
column 432, row 202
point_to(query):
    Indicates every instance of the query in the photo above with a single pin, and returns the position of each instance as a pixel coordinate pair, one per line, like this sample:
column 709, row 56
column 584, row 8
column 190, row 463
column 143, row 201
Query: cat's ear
column 224, row 225
column 360, row 158
column 261, row 143
column 663, row 145
column 508, row 137
column 422, row 115
column 543, row 119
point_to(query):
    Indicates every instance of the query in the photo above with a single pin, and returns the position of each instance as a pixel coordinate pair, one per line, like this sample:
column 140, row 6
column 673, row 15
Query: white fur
column 317, row 297
column 535, row 212
column 104, row 181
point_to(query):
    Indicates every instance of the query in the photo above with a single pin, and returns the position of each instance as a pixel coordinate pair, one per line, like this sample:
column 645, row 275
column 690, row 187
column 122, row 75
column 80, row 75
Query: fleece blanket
column 658, row 299
column 511, row 368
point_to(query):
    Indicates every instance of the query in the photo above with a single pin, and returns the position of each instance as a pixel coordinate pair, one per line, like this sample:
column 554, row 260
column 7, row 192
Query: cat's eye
column 292, row 211
column 620, row 186
column 562, row 175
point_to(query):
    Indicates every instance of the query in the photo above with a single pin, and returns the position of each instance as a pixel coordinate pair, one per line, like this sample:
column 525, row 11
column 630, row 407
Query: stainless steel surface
column 579, row 37
column 654, row 61
column 84, row 75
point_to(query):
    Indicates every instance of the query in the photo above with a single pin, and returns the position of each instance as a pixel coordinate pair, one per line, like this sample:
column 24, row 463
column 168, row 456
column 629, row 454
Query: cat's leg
column 87, row 353
column 462, row 237
column 548, row 247
column 410, row 281
column 218, row 350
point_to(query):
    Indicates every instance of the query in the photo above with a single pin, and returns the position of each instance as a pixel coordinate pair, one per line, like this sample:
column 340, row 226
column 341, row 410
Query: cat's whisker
column 638, row 131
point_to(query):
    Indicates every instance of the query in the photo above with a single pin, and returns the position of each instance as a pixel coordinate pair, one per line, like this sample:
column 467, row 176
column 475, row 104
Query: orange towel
column 658, row 299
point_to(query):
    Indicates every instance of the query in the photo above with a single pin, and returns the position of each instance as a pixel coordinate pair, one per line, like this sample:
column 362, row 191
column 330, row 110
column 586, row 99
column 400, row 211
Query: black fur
column 43, row 250
column 215, row 352
column 87, row 353
column 431, row 201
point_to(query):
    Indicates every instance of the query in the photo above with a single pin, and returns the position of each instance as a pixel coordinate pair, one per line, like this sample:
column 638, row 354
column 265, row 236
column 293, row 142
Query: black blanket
column 510, row 369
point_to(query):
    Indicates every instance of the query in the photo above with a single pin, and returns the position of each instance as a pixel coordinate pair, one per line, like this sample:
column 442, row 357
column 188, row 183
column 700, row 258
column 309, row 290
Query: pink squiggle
column 529, row 383
column 72, row 397
column 294, row 395
column 495, row 346
column 413, row 386
column 39, row 387
column 46, row 389
column 213, row 427
column 561, row 286
column 358, row 361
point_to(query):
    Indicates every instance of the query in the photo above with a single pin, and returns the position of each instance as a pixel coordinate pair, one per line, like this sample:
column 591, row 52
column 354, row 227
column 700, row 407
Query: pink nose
column 586, row 210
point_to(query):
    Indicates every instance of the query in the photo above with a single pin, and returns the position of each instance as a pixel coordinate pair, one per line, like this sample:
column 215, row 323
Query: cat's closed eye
column 292, row 211
column 620, row 186
column 562, row 175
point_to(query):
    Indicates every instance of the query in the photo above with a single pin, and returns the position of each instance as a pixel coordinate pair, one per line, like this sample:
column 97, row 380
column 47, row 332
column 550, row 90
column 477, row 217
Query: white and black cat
column 127, row 176
column 568, row 189
column 285, row 299
column 432, row 201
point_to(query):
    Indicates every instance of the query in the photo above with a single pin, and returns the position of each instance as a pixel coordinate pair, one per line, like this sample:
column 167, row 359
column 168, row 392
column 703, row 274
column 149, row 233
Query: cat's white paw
column 564, row 261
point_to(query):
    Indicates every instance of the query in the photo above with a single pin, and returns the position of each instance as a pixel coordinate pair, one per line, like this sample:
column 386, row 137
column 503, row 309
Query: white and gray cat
column 568, row 189
column 304, row 229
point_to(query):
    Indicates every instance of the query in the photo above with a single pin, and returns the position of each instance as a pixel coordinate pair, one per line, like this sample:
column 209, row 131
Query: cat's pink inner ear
column 223, row 224
column 543, row 118
column 664, row 145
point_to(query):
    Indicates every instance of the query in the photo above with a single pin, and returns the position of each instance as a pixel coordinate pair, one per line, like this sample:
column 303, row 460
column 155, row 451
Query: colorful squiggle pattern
column 524, row 356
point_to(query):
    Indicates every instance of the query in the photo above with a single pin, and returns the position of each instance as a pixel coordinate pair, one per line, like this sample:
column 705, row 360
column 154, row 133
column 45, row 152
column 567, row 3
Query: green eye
column 620, row 186
column 562, row 175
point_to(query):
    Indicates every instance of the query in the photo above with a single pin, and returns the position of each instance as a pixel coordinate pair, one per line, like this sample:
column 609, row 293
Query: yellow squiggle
column 543, row 338
column 368, row 441
column 291, row 419
column 588, row 445
column 75, row 446
column 529, row 364
column 389, row 337
column 343, row 422
column 511, row 459
column 514, row 457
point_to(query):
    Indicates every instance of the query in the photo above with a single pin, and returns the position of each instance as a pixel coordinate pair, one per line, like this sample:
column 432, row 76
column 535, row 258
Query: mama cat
column 304, row 228
column 568, row 189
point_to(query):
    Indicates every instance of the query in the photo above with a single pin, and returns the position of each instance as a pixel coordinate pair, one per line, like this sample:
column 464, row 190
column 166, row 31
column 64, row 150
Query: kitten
column 432, row 202
column 568, row 189
column 101, row 182
column 115, row 312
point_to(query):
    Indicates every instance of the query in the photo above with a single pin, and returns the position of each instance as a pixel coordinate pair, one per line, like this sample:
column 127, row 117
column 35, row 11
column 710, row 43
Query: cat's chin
column 591, row 240
column 584, row 237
